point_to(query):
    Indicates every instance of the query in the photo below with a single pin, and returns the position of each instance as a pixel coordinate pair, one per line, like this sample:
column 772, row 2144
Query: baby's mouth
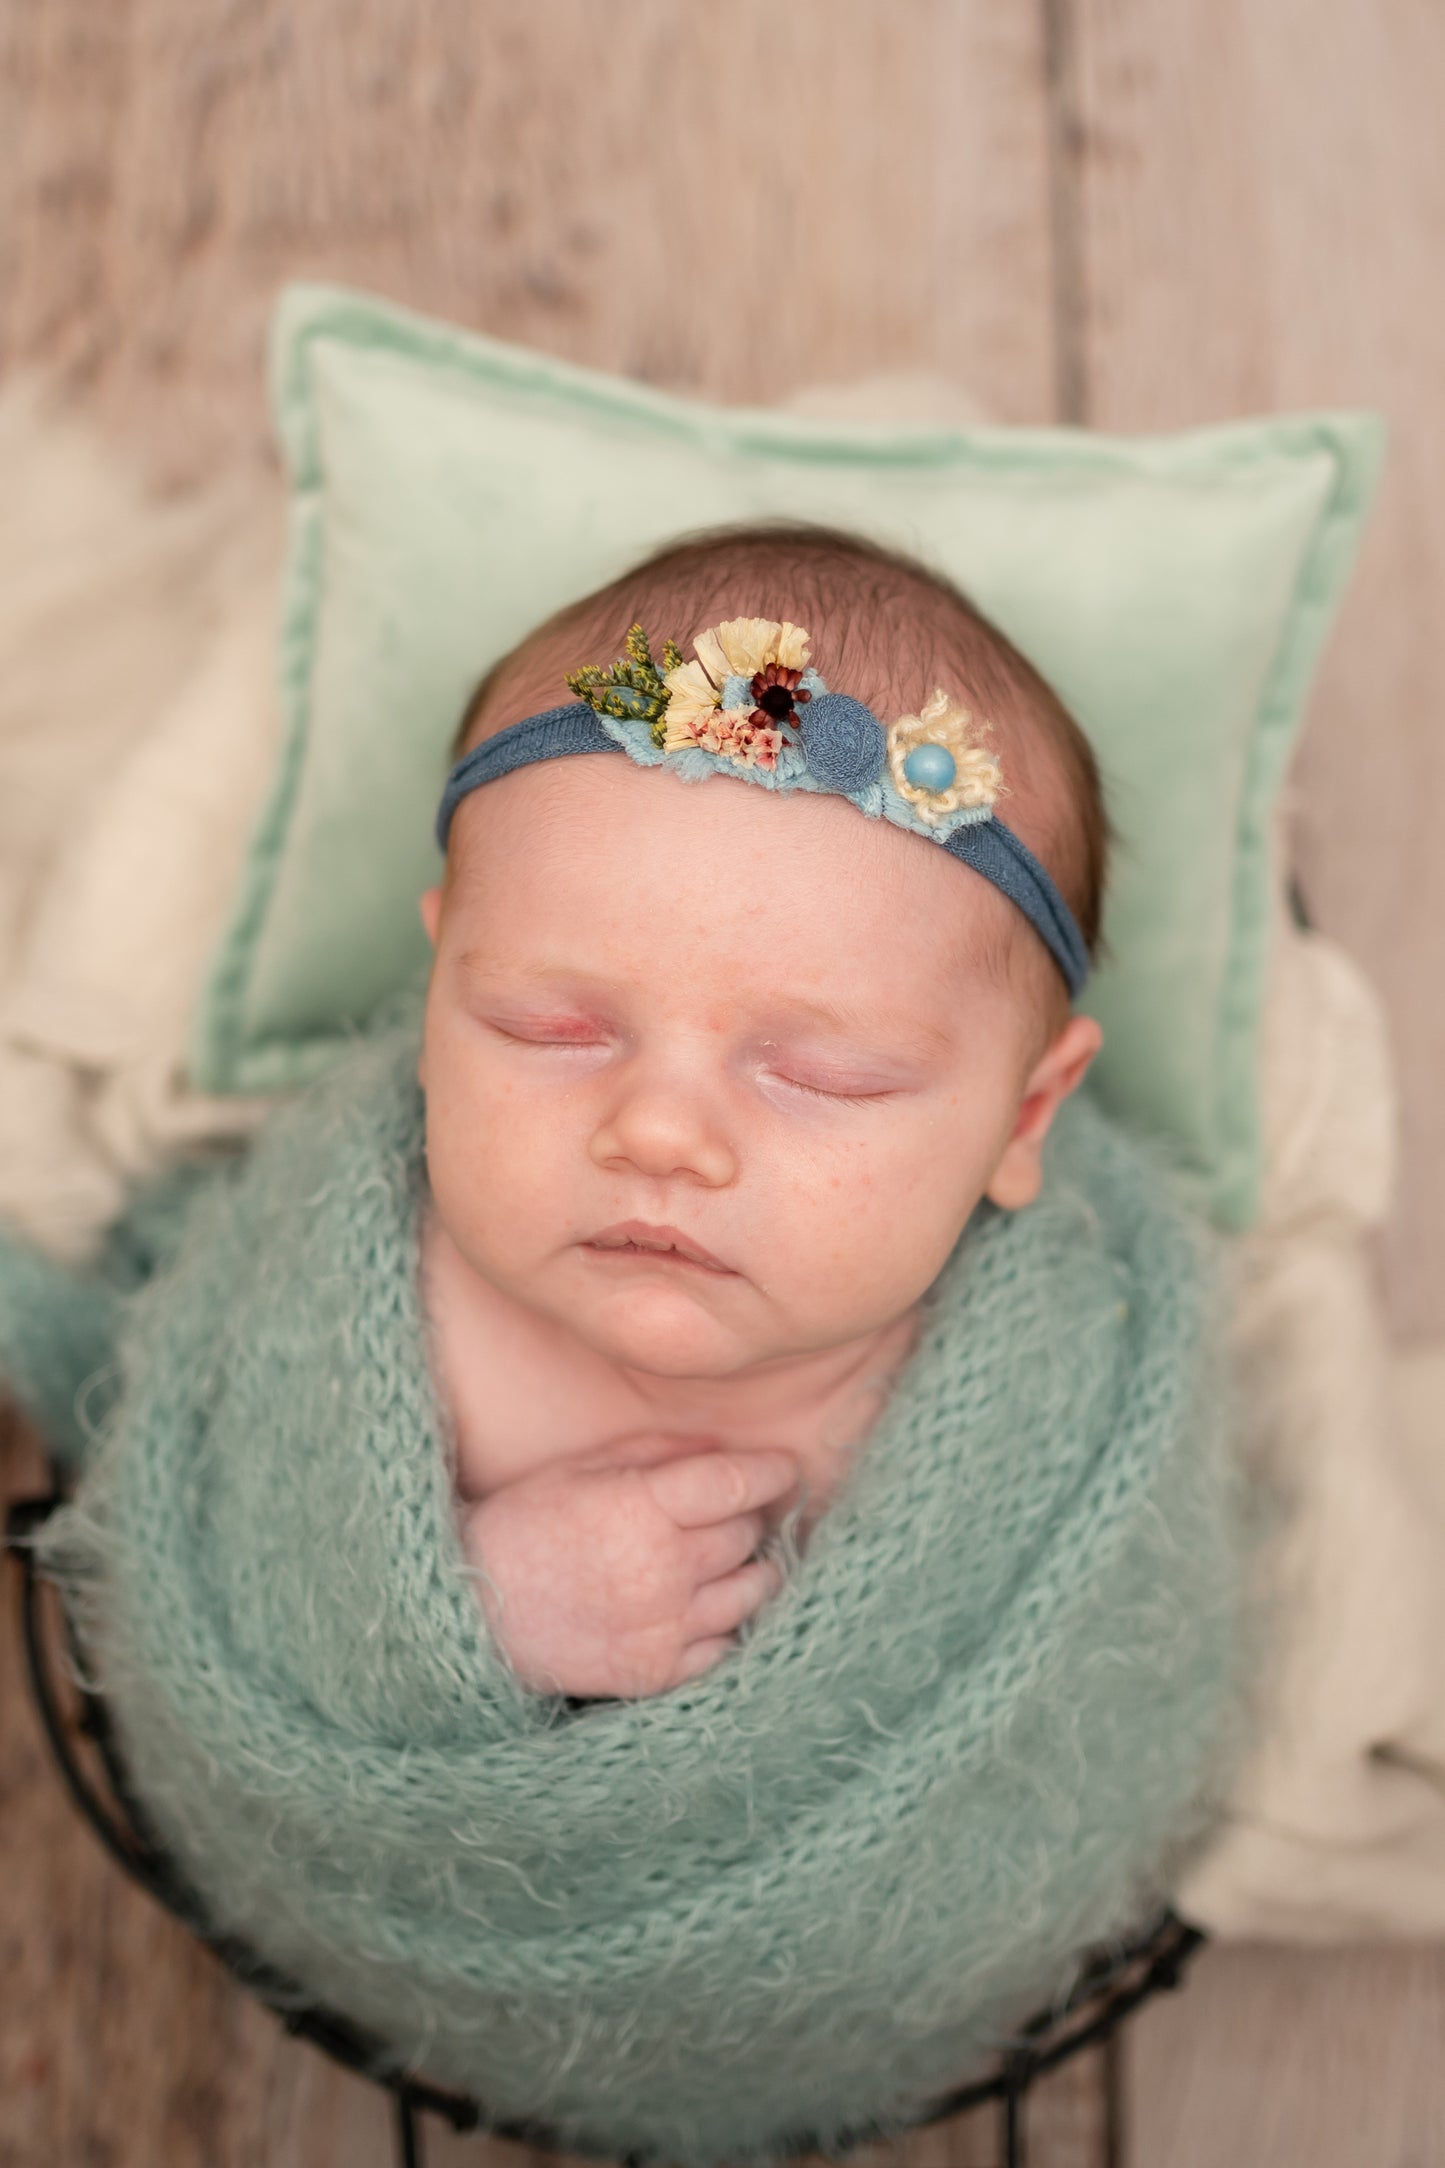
column 635, row 1239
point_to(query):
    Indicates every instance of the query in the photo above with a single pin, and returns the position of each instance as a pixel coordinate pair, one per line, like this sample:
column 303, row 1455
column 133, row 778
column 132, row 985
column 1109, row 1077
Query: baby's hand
column 623, row 1573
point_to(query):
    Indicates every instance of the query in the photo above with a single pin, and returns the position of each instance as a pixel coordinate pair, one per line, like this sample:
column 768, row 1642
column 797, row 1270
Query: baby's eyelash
column 814, row 1093
column 519, row 1038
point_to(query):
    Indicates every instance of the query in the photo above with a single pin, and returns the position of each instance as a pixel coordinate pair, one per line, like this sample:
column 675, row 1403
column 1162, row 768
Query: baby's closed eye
column 818, row 1091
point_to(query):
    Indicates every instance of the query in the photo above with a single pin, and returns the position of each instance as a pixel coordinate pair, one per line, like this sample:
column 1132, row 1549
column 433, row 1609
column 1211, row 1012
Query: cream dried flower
column 745, row 645
column 694, row 700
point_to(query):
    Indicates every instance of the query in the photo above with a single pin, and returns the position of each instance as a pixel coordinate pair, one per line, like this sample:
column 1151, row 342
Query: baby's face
column 761, row 1020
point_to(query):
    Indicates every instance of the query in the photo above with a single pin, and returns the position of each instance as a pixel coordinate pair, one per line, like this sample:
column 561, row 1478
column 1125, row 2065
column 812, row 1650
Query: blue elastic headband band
column 984, row 843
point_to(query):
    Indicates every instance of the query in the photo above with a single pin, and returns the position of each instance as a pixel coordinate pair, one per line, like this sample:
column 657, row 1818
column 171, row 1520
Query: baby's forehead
column 616, row 865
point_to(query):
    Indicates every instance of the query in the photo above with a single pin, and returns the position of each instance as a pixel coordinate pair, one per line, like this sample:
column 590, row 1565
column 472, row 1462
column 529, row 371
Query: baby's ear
column 431, row 911
column 1059, row 1070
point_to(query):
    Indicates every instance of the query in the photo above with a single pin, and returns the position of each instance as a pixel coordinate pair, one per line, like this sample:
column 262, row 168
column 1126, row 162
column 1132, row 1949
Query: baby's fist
column 628, row 1572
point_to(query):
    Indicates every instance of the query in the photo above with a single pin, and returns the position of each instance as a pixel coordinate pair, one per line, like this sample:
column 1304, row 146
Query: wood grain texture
column 731, row 200
column 1282, row 2059
column 1258, row 207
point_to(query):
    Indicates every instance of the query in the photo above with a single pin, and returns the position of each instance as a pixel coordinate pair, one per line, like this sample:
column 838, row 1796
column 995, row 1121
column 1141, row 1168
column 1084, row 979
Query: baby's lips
column 645, row 1234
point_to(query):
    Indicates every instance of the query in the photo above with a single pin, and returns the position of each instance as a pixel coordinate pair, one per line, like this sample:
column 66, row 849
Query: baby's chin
column 666, row 1336
column 666, row 1333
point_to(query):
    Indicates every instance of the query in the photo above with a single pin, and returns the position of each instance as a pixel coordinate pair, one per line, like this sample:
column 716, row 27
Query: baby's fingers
column 702, row 1656
column 710, row 1487
column 712, row 1552
column 723, row 1605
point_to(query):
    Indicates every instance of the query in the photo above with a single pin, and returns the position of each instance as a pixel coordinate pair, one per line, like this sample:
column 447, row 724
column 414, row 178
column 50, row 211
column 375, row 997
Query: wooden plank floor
column 1293, row 2059
column 1131, row 213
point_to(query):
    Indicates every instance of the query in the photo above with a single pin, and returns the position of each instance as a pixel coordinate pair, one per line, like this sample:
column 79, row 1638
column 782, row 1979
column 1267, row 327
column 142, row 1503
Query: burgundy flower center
column 776, row 693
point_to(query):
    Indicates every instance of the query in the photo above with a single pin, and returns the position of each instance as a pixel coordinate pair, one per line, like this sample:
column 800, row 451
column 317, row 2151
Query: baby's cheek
column 883, row 1226
column 838, row 1239
column 488, row 1175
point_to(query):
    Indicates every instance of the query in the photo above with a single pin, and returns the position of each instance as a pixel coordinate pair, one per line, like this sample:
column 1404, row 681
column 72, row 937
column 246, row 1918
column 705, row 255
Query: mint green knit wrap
column 978, row 1730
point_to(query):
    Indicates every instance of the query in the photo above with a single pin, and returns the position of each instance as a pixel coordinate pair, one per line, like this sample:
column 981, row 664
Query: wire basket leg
column 408, row 2133
column 1012, row 2112
column 1113, row 2075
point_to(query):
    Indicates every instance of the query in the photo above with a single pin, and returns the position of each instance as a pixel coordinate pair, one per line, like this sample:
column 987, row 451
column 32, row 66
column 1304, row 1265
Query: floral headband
column 751, row 706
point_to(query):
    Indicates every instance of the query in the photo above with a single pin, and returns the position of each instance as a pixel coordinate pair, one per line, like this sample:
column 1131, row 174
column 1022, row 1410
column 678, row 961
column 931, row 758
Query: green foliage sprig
column 632, row 688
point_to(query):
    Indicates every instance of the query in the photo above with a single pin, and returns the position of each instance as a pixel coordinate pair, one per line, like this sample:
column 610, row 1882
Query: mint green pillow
column 448, row 491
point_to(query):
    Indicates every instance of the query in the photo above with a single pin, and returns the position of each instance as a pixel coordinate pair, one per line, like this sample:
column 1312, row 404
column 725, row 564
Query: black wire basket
column 1109, row 1987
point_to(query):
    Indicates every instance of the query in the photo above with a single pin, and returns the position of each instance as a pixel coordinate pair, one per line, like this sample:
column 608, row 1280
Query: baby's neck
column 770, row 1399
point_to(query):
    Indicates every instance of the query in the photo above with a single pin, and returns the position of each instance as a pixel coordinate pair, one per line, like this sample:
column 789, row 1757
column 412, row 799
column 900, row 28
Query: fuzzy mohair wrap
column 992, row 1710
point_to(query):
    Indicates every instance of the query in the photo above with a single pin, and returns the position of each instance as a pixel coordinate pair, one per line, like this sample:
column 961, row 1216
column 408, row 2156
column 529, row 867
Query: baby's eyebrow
column 567, row 981
column 917, row 1034
column 479, row 964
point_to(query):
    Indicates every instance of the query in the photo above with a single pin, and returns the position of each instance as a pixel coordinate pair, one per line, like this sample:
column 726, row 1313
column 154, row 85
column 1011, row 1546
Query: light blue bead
column 930, row 767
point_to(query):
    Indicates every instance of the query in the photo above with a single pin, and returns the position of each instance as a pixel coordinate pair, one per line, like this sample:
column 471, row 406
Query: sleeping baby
column 707, row 1306
column 715, row 1077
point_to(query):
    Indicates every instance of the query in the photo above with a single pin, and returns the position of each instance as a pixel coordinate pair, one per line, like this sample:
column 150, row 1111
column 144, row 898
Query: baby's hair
column 883, row 627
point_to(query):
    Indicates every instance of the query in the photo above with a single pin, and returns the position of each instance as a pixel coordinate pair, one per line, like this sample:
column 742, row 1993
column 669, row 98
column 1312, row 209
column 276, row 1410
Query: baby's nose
column 663, row 1125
